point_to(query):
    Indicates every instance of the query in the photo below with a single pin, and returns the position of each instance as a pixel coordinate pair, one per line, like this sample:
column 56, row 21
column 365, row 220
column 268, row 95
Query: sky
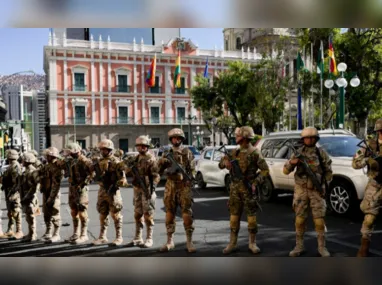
column 22, row 48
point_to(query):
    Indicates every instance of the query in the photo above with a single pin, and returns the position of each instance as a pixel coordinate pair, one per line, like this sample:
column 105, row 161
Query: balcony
column 122, row 88
column 167, row 121
column 123, row 121
column 79, row 121
column 155, row 89
column 80, row 88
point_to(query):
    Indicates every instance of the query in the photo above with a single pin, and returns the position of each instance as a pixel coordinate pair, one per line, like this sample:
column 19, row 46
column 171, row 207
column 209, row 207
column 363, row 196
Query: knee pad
column 149, row 219
column 319, row 224
column 116, row 216
column 170, row 218
column 84, row 216
column 252, row 222
column 187, row 220
column 369, row 220
column 138, row 217
column 234, row 222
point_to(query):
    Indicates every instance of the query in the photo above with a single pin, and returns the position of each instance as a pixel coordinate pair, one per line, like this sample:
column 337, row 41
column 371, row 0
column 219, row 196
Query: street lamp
column 342, row 83
column 197, row 135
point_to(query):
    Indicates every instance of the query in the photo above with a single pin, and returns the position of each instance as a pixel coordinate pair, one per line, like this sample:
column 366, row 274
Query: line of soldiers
column 110, row 171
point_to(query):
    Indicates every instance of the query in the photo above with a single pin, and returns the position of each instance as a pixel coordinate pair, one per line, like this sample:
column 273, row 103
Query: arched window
column 238, row 43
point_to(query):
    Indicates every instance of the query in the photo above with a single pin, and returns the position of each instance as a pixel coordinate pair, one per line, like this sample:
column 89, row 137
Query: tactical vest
column 78, row 172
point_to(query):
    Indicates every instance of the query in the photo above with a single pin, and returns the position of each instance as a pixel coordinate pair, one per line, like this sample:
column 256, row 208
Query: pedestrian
column 10, row 182
column 111, row 178
column 243, row 192
column 305, row 193
column 178, row 189
column 372, row 198
column 144, row 203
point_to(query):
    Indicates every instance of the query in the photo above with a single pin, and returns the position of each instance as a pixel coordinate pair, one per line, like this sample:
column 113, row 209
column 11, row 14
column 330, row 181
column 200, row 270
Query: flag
column 332, row 60
column 206, row 69
column 320, row 60
column 177, row 72
column 300, row 62
column 150, row 79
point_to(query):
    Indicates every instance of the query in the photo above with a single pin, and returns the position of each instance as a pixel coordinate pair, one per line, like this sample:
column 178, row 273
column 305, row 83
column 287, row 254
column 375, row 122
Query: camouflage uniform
column 143, row 206
column 30, row 183
column 51, row 175
column 372, row 198
column 38, row 163
column 10, row 181
column 178, row 192
column 118, row 153
column 250, row 161
column 306, row 195
column 112, row 175
column 80, row 175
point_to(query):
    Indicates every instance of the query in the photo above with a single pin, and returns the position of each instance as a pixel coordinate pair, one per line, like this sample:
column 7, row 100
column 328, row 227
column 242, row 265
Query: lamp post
column 190, row 119
column 229, row 134
column 213, row 121
column 342, row 83
column 197, row 135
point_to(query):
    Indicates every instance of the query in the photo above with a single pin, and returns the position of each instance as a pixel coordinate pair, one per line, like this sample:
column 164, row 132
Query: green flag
column 320, row 60
column 300, row 62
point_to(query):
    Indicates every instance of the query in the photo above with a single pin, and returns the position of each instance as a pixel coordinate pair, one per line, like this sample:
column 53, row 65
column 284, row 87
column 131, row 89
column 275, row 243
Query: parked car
column 348, row 184
column 208, row 171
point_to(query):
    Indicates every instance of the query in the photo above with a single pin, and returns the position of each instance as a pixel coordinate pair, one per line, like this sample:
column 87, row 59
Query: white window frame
column 181, row 104
column 80, row 102
column 123, row 103
column 155, row 103
column 123, row 71
column 80, row 69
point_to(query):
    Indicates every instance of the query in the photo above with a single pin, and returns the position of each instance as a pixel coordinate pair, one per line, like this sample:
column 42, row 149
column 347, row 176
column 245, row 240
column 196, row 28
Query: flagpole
column 311, row 67
column 321, row 79
column 304, row 59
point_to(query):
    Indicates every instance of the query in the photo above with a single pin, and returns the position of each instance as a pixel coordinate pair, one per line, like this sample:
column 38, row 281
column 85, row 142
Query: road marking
column 210, row 199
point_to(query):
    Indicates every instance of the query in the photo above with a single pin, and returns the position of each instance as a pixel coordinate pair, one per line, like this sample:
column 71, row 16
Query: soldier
column 241, row 197
column 111, row 177
column 305, row 193
column 118, row 153
column 80, row 175
column 178, row 190
column 144, row 203
column 51, row 175
column 30, row 183
column 10, row 182
column 372, row 197
column 38, row 163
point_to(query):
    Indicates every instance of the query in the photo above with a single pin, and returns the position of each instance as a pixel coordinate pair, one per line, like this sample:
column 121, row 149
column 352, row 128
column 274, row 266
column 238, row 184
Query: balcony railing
column 123, row 121
column 79, row 121
column 122, row 88
column 167, row 121
column 180, row 90
column 156, row 89
column 81, row 88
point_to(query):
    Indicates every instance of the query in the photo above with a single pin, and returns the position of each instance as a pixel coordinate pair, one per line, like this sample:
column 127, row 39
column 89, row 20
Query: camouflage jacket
column 30, row 182
column 147, row 167
column 80, row 171
column 10, row 178
column 362, row 158
column 312, row 158
column 250, row 161
column 112, row 172
column 51, row 175
column 185, row 159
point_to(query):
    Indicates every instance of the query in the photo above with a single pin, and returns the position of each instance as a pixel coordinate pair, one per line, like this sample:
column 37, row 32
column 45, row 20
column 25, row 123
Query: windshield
column 340, row 146
column 194, row 151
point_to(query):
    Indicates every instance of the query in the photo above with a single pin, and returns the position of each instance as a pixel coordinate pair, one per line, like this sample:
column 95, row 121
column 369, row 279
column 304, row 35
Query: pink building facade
column 97, row 90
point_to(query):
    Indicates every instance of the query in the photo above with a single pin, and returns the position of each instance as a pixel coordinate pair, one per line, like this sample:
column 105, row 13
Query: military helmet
column 73, row 148
column 12, row 154
column 29, row 157
column 176, row 133
column 118, row 152
column 52, row 151
column 34, row 152
column 143, row 140
column 245, row 132
column 310, row 132
column 378, row 125
column 106, row 144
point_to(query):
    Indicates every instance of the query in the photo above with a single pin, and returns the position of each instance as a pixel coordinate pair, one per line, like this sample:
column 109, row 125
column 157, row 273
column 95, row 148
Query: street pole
column 341, row 121
column 189, row 131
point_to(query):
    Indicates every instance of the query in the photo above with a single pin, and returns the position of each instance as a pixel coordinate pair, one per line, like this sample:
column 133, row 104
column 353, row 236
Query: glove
column 373, row 164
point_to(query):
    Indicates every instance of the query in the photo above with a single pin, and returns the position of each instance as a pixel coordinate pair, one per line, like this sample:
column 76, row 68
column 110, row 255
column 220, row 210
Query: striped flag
column 177, row 71
column 332, row 60
column 150, row 79
column 320, row 60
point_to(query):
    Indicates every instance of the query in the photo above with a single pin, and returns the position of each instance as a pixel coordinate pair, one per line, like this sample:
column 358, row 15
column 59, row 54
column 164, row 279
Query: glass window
column 154, row 115
column 122, row 115
column 79, row 82
column 194, row 150
column 181, row 114
column 340, row 146
column 80, row 114
column 208, row 154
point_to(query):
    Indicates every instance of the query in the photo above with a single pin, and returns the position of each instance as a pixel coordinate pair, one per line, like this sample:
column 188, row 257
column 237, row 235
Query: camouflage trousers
column 51, row 212
column 143, row 206
column 31, row 208
column 13, row 204
column 109, row 204
column 370, row 206
column 239, row 200
column 303, row 198
column 178, row 194
column 78, row 200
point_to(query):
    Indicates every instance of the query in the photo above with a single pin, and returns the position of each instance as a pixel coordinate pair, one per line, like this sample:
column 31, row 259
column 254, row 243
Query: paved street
column 275, row 237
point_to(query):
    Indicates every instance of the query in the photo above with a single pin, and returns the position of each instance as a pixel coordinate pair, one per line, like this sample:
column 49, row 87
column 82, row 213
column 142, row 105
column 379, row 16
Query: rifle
column 317, row 184
column 133, row 165
column 373, row 155
column 179, row 168
column 236, row 172
column 97, row 170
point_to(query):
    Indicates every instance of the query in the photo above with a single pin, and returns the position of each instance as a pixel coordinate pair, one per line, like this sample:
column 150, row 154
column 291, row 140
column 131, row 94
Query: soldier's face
column 105, row 152
column 239, row 139
column 75, row 155
column 310, row 141
column 49, row 158
column 142, row 149
column 176, row 141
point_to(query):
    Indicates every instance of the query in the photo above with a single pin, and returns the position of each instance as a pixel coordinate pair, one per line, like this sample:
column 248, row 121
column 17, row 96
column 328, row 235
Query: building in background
column 97, row 90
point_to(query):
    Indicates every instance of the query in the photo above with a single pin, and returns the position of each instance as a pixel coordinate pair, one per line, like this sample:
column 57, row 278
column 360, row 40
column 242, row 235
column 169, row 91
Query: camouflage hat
column 310, row 132
column 12, row 154
column 378, row 125
column 176, row 133
column 245, row 132
column 106, row 144
column 73, row 148
column 52, row 151
column 143, row 140
column 29, row 157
